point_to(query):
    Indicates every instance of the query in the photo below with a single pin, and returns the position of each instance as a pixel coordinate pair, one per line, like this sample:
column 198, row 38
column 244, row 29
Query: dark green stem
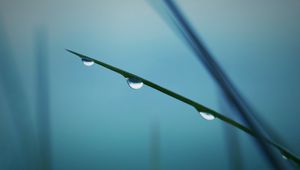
column 194, row 104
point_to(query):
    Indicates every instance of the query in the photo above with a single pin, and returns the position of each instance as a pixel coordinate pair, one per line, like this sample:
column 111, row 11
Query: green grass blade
column 187, row 32
column 194, row 104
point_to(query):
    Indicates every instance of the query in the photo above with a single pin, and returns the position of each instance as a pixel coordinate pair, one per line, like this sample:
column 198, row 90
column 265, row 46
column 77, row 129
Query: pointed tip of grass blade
column 73, row 52
column 69, row 50
column 80, row 55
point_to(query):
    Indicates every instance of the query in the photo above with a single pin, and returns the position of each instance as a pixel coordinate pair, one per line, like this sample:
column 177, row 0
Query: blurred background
column 56, row 113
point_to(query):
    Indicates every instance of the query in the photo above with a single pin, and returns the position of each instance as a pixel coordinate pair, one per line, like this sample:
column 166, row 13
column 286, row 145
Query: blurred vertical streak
column 24, row 151
column 179, row 22
column 8, row 145
column 43, row 109
column 234, row 151
column 155, row 144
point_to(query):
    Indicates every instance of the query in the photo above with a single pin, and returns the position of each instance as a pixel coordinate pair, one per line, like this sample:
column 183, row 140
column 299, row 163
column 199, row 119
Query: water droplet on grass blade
column 283, row 156
column 135, row 83
column 207, row 116
column 87, row 62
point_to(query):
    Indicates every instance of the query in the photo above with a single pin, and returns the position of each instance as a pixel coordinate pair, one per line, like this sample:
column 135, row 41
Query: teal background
column 98, row 122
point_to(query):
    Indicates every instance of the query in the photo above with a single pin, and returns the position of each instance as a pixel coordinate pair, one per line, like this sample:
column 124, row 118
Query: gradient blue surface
column 98, row 122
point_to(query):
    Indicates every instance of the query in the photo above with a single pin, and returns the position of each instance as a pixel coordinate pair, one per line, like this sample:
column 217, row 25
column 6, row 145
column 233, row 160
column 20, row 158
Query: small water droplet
column 87, row 62
column 135, row 83
column 207, row 116
column 283, row 156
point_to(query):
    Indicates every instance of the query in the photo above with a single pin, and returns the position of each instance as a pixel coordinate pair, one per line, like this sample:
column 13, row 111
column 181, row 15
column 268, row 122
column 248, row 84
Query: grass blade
column 233, row 143
column 19, row 111
column 194, row 104
column 181, row 24
column 155, row 144
column 43, row 112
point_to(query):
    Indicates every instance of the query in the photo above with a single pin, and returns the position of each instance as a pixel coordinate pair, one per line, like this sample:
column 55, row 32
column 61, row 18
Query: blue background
column 98, row 122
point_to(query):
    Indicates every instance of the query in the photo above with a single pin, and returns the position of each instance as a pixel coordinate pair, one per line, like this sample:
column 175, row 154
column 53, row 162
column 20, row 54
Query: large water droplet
column 135, row 83
column 87, row 62
column 207, row 116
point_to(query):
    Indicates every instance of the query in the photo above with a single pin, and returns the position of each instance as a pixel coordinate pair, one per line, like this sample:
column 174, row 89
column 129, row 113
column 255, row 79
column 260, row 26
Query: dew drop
column 207, row 116
column 87, row 62
column 135, row 83
column 283, row 156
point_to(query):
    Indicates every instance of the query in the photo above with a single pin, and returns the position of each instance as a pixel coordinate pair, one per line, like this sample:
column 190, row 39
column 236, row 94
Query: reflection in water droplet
column 283, row 156
column 207, row 116
column 135, row 83
column 87, row 62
